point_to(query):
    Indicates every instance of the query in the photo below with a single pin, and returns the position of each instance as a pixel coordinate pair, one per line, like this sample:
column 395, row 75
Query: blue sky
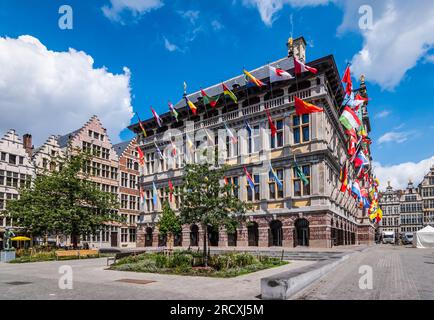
column 163, row 43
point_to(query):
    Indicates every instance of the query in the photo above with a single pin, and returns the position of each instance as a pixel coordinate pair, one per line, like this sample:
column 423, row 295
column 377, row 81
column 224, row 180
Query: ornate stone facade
column 16, row 170
column 314, row 214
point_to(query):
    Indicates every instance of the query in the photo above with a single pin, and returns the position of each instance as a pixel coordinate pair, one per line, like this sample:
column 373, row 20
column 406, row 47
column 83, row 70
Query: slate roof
column 64, row 140
column 120, row 147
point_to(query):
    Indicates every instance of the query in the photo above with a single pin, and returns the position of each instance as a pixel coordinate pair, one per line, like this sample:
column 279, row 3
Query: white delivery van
column 389, row 237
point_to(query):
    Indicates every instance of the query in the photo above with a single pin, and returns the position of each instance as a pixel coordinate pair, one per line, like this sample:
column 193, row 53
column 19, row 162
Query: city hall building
column 312, row 214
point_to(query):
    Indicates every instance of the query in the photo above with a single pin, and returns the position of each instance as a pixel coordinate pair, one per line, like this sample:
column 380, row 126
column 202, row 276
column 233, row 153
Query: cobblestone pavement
column 398, row 273
column 40, row 280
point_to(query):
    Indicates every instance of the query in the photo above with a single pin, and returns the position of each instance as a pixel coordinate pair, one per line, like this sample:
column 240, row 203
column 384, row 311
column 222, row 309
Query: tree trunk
column 74, row 240
column 205, row 252
column 170, row 241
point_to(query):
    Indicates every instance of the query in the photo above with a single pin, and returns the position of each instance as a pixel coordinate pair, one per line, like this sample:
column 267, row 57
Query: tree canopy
column 209, row 202
column 64, row 202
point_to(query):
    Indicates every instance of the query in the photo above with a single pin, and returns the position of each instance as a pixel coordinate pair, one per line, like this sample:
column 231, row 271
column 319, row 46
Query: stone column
column 140, row 236
column 186, row 235
column 263, row 229
column 288, row 236
column 223, row 237
column 242, row 236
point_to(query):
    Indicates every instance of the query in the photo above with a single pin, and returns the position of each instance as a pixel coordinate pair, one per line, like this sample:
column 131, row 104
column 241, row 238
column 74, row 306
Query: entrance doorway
column 253, row 234
column 148, row 237
column 213, row 236
column 232, row 239
column 302, row 232
column 114, row 239
column 275, row 233
column 194, row 235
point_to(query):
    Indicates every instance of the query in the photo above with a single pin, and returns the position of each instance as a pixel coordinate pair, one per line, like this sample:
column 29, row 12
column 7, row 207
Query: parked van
column 407, row 238
column 389, row 237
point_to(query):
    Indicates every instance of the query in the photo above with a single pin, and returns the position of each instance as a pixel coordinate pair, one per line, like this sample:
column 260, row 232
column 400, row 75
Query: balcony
column 313, row 92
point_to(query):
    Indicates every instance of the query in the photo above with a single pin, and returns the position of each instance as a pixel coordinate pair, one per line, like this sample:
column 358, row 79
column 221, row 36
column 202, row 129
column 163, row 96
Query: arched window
column 275, row 233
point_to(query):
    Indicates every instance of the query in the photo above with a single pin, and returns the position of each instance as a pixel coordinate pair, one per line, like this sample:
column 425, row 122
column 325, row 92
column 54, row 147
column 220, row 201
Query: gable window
column 12, row 159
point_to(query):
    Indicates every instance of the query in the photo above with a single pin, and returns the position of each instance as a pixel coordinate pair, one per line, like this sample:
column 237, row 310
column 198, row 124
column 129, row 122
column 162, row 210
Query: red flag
column 303, row 107
column 141, row 156
column 352, row 146
column 170, row 190
column 347, row 79
column 300, row 67
column 226, row 180
column 351, row 133
column 344, row 178
column 271, row 123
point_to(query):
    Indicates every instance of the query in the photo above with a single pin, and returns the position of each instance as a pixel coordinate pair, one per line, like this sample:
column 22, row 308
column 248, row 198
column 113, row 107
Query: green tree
column 64, row 202
column 169, row 223
column 208, row 202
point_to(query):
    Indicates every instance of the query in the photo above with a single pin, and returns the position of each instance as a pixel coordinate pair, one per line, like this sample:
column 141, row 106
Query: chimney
column 297, row 48
column 27, row 143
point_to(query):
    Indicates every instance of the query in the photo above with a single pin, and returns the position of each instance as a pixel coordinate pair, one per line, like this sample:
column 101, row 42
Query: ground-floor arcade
column 317, row 230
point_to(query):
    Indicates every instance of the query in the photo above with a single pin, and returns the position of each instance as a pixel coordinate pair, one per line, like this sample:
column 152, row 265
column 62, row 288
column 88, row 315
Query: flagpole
column 271, row 83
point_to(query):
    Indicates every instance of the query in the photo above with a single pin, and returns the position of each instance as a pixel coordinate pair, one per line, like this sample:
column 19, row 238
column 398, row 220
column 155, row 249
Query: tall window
column 149, row 204
column 105, row 154
column 124, row 235
column 300, row 128
column 231, row 148
column 164, row 195
column 276, row 191
column 12, row 159
column 233, row 182
column 300, row 188
column 133, row 203
column 96, row 150
column 129, row 163
column 124, row 201
column 277, row 140
column 114, row 173
column 2, row 201
column 133, row 181
column 124, row 179
column 254, row 139
column 149, row 163
column 253, row 196
column 132, row 235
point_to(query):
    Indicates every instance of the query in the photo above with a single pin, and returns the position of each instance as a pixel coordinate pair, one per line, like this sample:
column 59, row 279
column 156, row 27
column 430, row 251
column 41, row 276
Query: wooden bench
column 66, row 253
column 76, row 253
column 86, row 253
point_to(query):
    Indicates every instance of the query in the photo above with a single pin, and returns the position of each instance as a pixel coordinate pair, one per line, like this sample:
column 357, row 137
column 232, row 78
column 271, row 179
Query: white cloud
column 216, row 25
column 268, row 8
column 191, row 15
column 395, row 136
column 135, row 7
column 401, row 35
column 45, row 92
column 400, row 174
column 382, row 114
column 170, row 46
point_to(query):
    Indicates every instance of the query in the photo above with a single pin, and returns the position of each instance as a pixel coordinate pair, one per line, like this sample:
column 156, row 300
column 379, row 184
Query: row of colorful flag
column 275, row 74
column 364, row 186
